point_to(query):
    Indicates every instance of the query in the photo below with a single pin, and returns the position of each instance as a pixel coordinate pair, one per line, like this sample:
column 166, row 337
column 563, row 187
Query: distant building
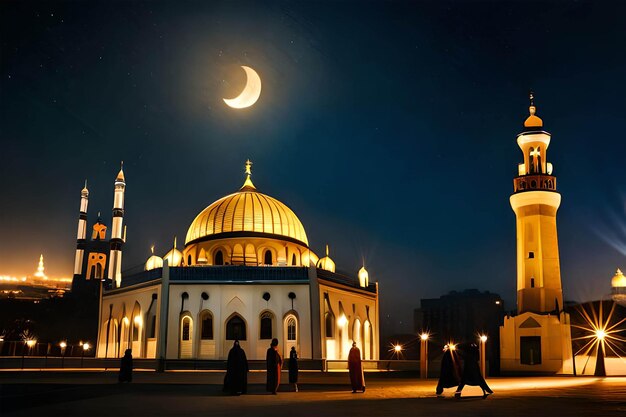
column 618, row 288
column 461, row 317
column 538, row 339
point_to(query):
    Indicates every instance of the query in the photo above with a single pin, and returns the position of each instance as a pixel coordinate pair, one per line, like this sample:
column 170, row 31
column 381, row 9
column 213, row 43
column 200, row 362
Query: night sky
column 389, row 128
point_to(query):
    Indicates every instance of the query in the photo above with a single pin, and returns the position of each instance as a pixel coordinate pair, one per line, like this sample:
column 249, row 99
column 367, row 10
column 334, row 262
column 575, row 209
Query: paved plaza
column 96, row 393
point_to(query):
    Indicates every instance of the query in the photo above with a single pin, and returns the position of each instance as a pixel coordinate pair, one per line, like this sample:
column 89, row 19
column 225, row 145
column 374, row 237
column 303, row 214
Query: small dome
column 153, row 261
column 364, row 277
column 533, row 121
column 619, row 280
column 174, row 257
column 326, row 263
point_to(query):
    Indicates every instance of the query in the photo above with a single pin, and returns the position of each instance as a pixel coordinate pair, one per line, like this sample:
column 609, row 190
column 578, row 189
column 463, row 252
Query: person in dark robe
column 450, row 375
column 293, row 368
column 356, row 369
column 236, row 379
column 126, row 367
column 471, row 371
column 274, row 364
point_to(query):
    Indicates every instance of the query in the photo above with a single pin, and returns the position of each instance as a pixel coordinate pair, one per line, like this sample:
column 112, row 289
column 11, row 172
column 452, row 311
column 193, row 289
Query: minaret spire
column 81, row 233
column 117, row 233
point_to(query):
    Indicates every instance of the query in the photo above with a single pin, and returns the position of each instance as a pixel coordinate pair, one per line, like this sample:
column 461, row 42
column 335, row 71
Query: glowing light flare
column 86, row 346
column 63, row 345
column 397, row 348
column 137, row 320
column 483, row 338
column 424, row 336
column 600, row 332
column 342, row 321
column 31, row 342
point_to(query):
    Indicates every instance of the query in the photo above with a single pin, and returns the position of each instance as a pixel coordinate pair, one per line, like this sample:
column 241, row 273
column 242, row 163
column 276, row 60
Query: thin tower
column 81, row 233
column 117, row 238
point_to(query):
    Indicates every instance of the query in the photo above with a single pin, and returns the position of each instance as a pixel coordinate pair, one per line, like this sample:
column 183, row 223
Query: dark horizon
column 389, row 129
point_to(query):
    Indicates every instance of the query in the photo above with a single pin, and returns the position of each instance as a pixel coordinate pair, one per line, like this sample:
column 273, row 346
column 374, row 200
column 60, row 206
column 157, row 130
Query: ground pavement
column 94, row 393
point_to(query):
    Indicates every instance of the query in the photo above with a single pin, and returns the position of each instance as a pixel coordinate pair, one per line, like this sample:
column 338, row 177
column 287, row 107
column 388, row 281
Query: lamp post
column 600, row 369
column 63, row 346
column 85, row 349
column 483, row 354
column 424, row 355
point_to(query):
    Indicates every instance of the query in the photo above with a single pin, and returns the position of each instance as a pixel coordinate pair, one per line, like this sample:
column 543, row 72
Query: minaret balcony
column 534, row 182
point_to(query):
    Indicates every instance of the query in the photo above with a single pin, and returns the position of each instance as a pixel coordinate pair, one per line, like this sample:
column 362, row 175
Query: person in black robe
column 471, row 371
column 274, row 364
column 236, row 379
column 293, row 368
column 126, row 367
column 450, row 375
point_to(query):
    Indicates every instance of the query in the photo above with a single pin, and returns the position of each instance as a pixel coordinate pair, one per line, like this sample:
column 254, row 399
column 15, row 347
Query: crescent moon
column 250, row 93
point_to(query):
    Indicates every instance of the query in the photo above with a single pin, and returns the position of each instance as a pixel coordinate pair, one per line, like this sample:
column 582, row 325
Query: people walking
column 355, row 367
column 274, row 364
column 126, row 367
column 293, row 368
column 471, row 371
column 236, row 379
column 450, row 375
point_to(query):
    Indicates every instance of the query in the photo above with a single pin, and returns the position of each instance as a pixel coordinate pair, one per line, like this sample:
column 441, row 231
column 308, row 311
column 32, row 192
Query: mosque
column 246, row 272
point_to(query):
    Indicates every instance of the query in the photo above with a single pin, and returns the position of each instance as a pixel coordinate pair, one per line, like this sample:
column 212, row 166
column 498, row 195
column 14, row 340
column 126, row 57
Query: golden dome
column 174, row 256
column 246, row 213
column 619, row 280
column 153, row 261
column 326, row 263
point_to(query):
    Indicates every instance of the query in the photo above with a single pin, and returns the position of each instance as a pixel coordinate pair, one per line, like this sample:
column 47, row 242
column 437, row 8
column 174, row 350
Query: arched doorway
column 185, row 350
column 290, row 334
column 207, row 342
column 367, row 336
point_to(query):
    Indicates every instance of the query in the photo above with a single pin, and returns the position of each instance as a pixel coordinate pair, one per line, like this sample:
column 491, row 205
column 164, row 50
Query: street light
column 424, row 355
column 600, row 368
column 483, row 354
column 86, row 347
column 63, row 345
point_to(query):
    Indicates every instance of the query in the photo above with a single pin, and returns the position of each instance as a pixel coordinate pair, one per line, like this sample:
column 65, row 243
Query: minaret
column 535, row 202
column 40, row 269
column 82, row 231
column 115, row 257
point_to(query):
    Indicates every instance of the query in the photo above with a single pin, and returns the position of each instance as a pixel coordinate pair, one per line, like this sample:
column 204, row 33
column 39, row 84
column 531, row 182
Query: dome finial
column 327, row 249
column 152, row 249
column 174, row 242
column 248, row 185
column 532, row 121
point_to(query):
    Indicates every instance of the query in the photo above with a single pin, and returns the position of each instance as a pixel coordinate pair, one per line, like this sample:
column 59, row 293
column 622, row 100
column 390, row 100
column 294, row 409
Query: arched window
column 291, row 329
column 206, row 321
column 267, row 259
column 236, row 329
column 188, row 260
column 329, row 321
column 266, row 325
column 293, row 259
column 186, row 328
column 219, row 258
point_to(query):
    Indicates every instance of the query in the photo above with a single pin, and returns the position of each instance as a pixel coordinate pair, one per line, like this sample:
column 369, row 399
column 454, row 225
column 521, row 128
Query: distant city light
column 31, row 342
column 498, row 302
column 86, row 346
column 397, row 348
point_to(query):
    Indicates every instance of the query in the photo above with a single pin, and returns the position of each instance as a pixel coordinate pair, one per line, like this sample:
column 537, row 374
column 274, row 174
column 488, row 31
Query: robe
column 126, row 367
column 236, row 380
column 293, row 367
column 356, row 369
column 450, row 375
column 274, row 364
